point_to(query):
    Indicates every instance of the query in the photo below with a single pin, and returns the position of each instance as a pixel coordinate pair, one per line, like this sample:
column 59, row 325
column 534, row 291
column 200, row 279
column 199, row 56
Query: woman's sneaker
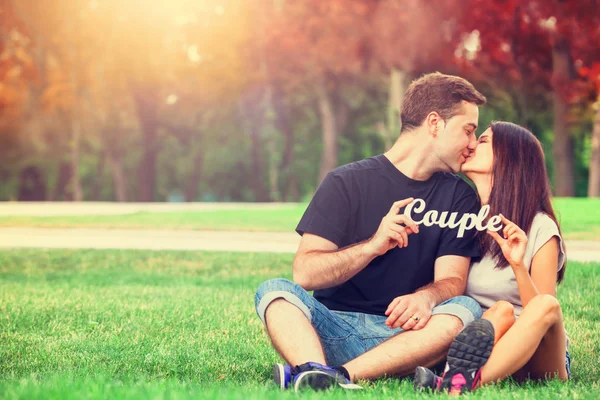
column 426, row 379
column 469, row 351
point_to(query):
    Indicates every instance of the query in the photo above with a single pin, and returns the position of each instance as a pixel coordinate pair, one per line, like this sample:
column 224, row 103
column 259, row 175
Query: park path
column 274, row 242
column 148, row 239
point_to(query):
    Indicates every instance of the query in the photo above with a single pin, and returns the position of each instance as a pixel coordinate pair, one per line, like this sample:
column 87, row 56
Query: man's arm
column 450, row 280
column 319, row 264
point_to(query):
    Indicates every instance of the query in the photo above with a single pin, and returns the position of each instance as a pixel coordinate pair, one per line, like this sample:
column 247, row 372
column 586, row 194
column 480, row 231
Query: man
column 386, row 291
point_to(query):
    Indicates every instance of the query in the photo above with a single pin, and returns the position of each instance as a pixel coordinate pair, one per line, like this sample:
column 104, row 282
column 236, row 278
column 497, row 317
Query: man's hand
column 411, row 311
column 391, row 232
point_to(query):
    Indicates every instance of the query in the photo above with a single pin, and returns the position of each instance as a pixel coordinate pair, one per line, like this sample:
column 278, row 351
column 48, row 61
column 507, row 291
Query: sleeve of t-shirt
column 546, row 230
column 468, row 245
column 328, row 213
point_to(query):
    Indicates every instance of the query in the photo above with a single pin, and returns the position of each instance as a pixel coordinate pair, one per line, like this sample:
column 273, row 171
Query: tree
column 593, row 75
column 537, row 45
column 317, row 47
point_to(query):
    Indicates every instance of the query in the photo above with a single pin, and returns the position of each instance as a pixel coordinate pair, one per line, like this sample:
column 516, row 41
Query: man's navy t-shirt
column 348, row 208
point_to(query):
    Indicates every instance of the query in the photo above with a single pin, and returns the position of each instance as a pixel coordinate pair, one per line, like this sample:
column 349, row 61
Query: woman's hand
column 513, row 244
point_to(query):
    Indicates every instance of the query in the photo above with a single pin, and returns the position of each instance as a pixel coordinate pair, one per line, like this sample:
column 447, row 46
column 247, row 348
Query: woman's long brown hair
column 521, row 187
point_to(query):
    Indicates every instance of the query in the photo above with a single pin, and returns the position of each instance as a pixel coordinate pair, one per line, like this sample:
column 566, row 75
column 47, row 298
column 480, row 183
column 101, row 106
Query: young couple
column 392, row 297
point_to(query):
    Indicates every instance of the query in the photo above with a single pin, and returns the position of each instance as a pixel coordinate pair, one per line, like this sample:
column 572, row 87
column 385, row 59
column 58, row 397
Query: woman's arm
column 544, row 265
column 543, row 273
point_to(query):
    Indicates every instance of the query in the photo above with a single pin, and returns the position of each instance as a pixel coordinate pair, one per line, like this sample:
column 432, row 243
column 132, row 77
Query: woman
column 521, row 333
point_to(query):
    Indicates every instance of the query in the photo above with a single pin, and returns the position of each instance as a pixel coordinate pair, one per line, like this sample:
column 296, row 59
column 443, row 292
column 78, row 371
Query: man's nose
column 472, row 143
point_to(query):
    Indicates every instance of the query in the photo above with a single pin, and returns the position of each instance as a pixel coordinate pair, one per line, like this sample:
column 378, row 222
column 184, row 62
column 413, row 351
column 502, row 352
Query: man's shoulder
column 364, row 166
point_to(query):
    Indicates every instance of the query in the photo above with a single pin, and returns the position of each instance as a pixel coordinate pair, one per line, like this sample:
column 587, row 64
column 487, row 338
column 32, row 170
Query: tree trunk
column 564, row 171
column 397, row 88
column 518, row 95
column 274, row 191
column 191, row 191
column 269, row 141
column 61, row 190
column 594, row 182
column 334, row 117
column 32, row 185
column 76, row 138
column 146, row 103
column 390, row 130
column 118, row 176
column 329, row 156
column 251, row 114
column 258, row 184
column 111, row 133
column 99, row 181
column 291, row 191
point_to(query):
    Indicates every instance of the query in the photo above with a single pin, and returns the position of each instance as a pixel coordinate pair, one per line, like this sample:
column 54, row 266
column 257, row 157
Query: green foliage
column 203, row 76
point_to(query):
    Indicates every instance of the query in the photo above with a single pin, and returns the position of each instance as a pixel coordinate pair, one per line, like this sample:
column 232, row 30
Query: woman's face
column 481, row 160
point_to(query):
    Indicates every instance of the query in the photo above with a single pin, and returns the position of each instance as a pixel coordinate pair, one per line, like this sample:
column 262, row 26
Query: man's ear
column 434, row 123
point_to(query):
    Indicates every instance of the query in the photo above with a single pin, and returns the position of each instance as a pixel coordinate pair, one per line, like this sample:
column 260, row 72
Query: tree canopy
column 179, row 100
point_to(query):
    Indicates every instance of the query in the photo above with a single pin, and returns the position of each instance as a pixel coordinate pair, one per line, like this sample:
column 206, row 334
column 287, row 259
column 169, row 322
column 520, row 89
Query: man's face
column 481, row 161
column 456, row 141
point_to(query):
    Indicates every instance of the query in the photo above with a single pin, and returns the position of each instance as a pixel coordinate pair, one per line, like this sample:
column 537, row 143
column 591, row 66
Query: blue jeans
column 346, row 335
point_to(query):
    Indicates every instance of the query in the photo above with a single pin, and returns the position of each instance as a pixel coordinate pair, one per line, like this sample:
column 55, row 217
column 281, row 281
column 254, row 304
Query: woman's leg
column 537, row 339
column 502, row 317
column 549, row 359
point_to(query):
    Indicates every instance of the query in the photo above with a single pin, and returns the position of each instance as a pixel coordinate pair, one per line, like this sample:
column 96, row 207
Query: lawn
column 579, row 218
column 179, row 325
column 274, row 220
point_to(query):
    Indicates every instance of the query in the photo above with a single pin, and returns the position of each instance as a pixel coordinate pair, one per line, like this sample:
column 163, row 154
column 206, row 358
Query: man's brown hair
column 436, row 92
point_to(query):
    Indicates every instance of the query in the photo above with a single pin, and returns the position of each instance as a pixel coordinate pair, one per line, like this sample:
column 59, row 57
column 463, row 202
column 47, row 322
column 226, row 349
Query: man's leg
column 304, row 330
column 292, row 334
column 401, row 354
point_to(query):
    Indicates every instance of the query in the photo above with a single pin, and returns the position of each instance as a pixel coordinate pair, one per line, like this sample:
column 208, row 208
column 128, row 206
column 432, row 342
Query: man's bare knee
column 277, row 303
column 282, row 306
column 445, row 324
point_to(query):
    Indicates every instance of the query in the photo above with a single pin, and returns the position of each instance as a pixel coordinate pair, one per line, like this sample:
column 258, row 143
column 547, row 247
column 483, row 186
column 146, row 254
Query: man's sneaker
column 282, row 375
column 320, row 377
column 468, row 352
column 426, row 379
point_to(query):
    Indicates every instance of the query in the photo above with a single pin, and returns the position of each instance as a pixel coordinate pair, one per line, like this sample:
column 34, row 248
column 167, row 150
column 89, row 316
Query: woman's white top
column 488, row 284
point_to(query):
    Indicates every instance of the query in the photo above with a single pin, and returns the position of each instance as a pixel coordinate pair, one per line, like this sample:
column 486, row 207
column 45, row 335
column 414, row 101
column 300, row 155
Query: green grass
column 170, row 325
column 275, row 220
column 579, row 217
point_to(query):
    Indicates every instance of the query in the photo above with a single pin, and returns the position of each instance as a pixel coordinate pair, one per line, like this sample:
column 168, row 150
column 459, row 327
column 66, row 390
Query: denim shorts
column 346, row 335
